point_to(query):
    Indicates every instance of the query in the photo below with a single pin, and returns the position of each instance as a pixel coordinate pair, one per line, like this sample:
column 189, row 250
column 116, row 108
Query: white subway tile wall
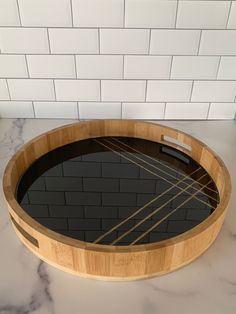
column 127, row 90
column 147, row 67
column 16, row 109
column 4, row 92
column 51, row 66
column 99, row 66
column 202, row 14
column 187, row 111
column 99, row 110
column 22, row 40
column 232, row 16
column 222, row 110
column 174, row 42
column 56, row 110
column 124, row 41
column 131, row 59
column 191, row 67
column 214, row 91
column 97, row 13
column 169, row 90
column 73, row 41
column 73, row 90
column 218, row 42
column 45, row 13
column 227, row 70
column 150, row 13
column 28, row 89
column 13, row 66
column 151, row 110
column 9, row 15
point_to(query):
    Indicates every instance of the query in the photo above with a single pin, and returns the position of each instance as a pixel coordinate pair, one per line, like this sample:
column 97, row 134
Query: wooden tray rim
column 24, row 219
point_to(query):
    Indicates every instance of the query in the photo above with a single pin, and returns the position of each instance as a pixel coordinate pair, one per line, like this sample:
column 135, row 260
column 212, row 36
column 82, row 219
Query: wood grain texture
column 115, row 262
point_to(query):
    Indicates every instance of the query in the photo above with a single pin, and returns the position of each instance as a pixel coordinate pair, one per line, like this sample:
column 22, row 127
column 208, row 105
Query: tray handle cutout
column 175, row 154
column 171, row 140
column 25, row 234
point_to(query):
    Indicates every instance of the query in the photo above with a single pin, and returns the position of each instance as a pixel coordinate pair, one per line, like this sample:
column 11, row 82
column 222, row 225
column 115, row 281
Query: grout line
column 144, row 119
column 218, row 68
column 145, row 97
column 227, row 21
column 33, row 109
column 149, row 42
column 100, row 89
column 146, row 89
column 191, row 92
column 176, row 13
column 18, row 9
column 207, row 116
column 54, row 88
column 115, row 54
column 99, row 41
column 171, row 62
column 8, row 89
column 27, row 66
column 123, row 74
column 71, row 12
column 76, row 73
column 164, row 116
column 49, row 46
column 124, row 2
column 78, row 110
column 129, row 102
column 118, row 79
column 199, row 44
column 119, row 28
column 121, row 110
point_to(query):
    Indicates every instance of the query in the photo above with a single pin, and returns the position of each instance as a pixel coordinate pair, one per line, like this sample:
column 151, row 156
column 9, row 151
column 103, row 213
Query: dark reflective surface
column 118, row 191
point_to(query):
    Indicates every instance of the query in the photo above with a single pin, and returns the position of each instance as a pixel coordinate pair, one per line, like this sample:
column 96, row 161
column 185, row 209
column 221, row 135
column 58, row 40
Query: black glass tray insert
column 117, row 191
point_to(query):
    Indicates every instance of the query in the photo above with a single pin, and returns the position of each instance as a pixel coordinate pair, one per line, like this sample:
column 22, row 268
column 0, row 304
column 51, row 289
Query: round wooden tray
column 115, row 262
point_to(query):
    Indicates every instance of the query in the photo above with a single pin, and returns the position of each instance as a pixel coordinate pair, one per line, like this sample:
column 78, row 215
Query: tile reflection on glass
column 115, row 190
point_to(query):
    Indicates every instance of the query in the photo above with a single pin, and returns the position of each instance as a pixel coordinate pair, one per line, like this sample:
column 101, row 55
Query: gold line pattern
column 154, row 212
column 155, row 174
column 213, row 198
column 150, row 202
column 164, row 218
column 161, row 163
column 138, row 211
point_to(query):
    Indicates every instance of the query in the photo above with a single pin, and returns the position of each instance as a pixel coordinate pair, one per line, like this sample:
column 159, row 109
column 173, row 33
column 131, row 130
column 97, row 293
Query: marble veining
column 208, row 285
column 40, row 296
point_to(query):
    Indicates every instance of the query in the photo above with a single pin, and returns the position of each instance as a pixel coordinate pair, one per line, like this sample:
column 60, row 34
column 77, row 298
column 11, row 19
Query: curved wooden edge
column 110, row 278
column 122, row 277
column 9, row 186
column 82, row 257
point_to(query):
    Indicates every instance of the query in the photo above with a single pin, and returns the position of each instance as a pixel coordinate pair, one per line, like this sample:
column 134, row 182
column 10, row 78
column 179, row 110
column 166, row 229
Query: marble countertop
column 207, row 285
